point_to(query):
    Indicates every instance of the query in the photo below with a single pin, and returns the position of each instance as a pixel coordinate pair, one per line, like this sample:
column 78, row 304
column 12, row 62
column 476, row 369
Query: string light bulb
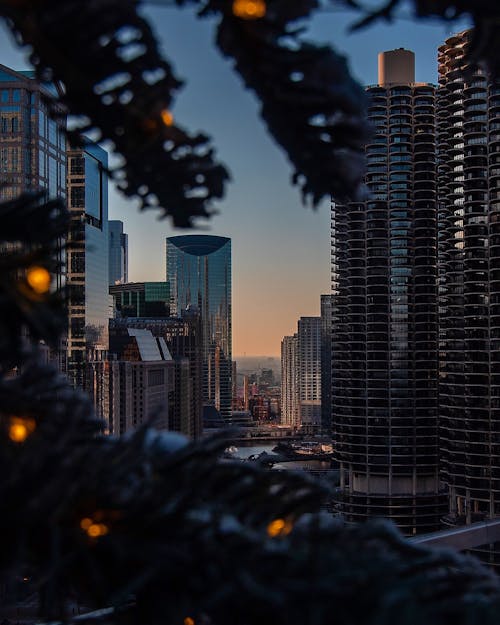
column 167, row 118
column 249, row 9
column 39, row 279
column 92, row 529
column 279, row 527
column 20, row 428
column 188, row 621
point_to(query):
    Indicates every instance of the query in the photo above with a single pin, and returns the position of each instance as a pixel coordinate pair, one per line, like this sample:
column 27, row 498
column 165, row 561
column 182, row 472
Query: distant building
column 309, row 379
column 87, row 258
column 289, row 382
column 183, row 337
column 234, row 382
column 199, row 273
column 246, row 392
column 118, row 253
column 326, row 363
column 266, row 377
column 141, row 299
column 134, row 386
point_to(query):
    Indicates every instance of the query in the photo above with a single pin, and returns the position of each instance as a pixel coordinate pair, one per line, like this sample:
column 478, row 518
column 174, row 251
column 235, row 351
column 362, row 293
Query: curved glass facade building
column 199, row 272
column 469, row 253
column 384, row 318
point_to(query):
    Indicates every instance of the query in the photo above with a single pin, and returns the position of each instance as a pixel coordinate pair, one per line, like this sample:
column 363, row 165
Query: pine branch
column 31, row 306
column 105, row 61
column 190, row 535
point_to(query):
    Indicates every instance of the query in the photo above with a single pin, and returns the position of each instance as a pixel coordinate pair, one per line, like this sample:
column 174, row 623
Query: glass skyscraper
column 199, row 273
column 118, row 253
column 32, row 146
column 87, row 258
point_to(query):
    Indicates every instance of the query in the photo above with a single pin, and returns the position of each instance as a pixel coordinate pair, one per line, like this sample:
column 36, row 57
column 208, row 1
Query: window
column 78, row 197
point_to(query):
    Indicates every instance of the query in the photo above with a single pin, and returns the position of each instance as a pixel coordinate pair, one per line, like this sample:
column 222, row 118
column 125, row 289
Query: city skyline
column 280, row 248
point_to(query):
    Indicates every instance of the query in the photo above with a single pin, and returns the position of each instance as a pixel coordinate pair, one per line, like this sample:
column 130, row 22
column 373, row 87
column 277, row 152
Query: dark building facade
column 469, row 259
column 384, row 315
column 134, row 383
column 183, row 338
column 199, row 273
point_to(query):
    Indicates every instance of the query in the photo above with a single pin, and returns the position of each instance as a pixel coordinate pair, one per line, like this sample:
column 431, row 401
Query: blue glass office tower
column 199, row 272
column 118, row 253
column 87, row 258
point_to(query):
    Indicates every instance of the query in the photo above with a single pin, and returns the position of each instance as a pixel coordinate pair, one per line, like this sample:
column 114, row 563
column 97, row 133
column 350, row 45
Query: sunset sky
column 281, row 250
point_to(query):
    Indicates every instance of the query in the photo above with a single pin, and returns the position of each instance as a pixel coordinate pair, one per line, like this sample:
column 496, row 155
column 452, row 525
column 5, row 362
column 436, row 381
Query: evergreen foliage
column 163, row 528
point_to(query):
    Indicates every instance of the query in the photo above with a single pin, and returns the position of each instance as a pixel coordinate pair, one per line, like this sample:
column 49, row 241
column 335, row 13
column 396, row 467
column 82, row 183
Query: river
column 245, row 450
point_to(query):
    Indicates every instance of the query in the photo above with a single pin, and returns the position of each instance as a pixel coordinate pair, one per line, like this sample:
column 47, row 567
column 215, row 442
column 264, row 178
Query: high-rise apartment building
column 326, row 363
column 199, row 273
column 309, row 375
column 469, row 260
column 32, row 146
column 384, row 348
column 87, row 258
column 118, row 253
column 289, row 382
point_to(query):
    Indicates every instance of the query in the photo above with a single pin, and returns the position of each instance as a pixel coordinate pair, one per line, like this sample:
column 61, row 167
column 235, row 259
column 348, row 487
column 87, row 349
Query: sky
column 280, row 248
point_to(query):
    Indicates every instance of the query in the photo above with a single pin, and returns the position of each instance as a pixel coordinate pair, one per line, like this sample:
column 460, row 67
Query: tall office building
column 32, row 154
column 469, row 260
column 199, row 273
column 118, row 253
column 32, row 146
column 384, row 349
column 309, row 376
column 289, row 382
column 87, row 258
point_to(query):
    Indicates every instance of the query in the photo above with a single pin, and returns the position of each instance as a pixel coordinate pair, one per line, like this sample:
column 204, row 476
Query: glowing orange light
column 20, row 428
column 85, row 523
column 94, row 530
column 249, row 9
column 39, row 279
column 188, row 621
column 167, row 118
column 279, row 527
